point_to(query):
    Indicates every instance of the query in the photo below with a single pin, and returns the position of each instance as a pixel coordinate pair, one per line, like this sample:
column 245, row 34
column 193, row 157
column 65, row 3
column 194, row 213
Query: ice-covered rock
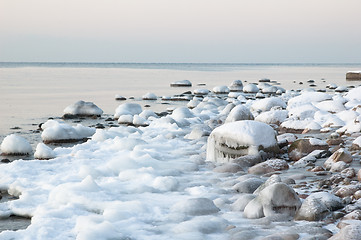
column 221, row 90
column 195, row 207
column 140, row 121
column 271, row 165
column 149, row 96
column 126, row 119
column 15, row 145
column 242, row 202
column 354, row 94
column 268, row 103
column 272, row 117
column 127, row 109
column 201, row 91
column 248, row 185
column 181, row 83
column 120, row 97
column 341, row 155
column 349, row 232
column 275, row 199
column 356, row 144
column 146, row 114
column 250, row 88
column 82, row 108
column 236, row 86
column 54, row 131
column 308, row 97
column 239, row 112
column 44, row 152
column 302, row 147
column 331, row 106
column 236, row 139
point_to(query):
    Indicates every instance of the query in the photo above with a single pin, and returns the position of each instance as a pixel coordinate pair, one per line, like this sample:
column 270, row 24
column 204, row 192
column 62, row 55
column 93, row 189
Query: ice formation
column 82, row 108
column 15, row 145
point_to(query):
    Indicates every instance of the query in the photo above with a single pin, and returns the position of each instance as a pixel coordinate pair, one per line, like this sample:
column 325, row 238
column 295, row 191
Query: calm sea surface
column 32, row 92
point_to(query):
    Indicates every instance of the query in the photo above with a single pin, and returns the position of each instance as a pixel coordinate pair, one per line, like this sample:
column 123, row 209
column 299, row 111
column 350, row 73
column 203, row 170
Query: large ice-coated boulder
column 278, row 198
column 240, row 138
column 81, row 108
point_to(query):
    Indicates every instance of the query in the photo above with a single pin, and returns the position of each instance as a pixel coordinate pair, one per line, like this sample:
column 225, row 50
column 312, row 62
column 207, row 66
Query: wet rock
column 195, row 207
column 182, row 83
column 348, row 172
column 349, row 232
column 312, row 209
column 242, row 202
column 268, row 166
column 228, row 168
column 340, row 155
column 314, row 229
column 249, row 160
column 248, row 186
column 346, row 191
column 357, row 194
column 282, row 236
column 275, row 199
column 302, row 147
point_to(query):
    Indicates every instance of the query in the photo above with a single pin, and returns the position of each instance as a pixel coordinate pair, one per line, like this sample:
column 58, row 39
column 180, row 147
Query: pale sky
column 242, row 31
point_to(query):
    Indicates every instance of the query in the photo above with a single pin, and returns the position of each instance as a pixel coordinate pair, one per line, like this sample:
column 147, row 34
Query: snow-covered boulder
column 81, row 108
column 120, row 97
column 221, row 90
column 149, row 96
column 268, row 103
column 302, row 147
column 54, row 131
column 308, row 97
column 354, row 94
column 272, row 117
column 182, row 83
column 195, row 207
column 250, row 88
column 356, row 144
column 15, row 145
column 236, row 86
column 278, row 198
column 239, row 112
column 236, row 139
column 201, row 91
column 271, row 165
column 44, row 152
column 127, row 109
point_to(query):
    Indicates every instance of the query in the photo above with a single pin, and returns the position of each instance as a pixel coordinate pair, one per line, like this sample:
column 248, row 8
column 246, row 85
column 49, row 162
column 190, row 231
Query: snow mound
column 196, row 207
column 82, row 108
column 221, row 89
column 149, row 96
column 250, row 88
column 308, row 97
column 272, row 117
column 182, row 83
column 43, row 152
column 15, row 145
column 236, row 139
column 268, row 103
column 127, row 109
column 55, row 131
column 239, row 112
column 354, row 94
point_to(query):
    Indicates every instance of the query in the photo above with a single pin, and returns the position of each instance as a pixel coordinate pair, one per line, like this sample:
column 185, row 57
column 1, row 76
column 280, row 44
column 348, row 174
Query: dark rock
column 302, row 147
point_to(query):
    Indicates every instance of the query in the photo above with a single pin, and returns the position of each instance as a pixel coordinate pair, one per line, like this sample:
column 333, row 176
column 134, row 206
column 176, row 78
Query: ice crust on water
column 15, row 145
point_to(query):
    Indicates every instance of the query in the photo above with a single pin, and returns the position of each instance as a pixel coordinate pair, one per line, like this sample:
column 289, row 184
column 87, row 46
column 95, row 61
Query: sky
column 216, row 31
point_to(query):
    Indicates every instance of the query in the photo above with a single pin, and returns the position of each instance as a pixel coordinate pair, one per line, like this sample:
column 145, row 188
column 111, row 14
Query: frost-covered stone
column 268, row 103
column 356, row 144
column 239, row 112
column 242, row 202
column 236, row 86
column 82, row 108
column 250, row 88
column 349, row 232
column 181, row 83
column 236, row 139
column 44, row 152
column 196, row 207
column 340, row 155
column 127, row 109
column 331, row 106
column 15, row 145
column 221, row 90
column 275, row 199
column 271, row 165
column 149, row 96
column 312, row 209
column 54, row 131
column 248, row 185
column 201, row 91
column 272, row 117
column 302, row 147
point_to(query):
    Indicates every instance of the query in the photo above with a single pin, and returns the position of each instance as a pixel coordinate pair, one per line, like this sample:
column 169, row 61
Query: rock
column 275, row 199
column 312, row 209
column 349, row 232
column 82, row 109
column 353, row 76
column 356, row 144
column 149, row 96
column 250, row 88
column 228, row 168
column 348, row 190
column 271, row 180
column 120, row 98
column 221, row 90
column 348, row 172
column 282, row 236
column 354, row 215
column 15, row 145
column 239, row 112
column 248, row 186
column 249, row 160
column 127, row 109
column 357, row 194
column 268, row 166
column 359, row 175
column 242, row 202
column 304, row 146
column 236, row 86
column 264, row 80
column 340, row 155
column 182, row 83
column 240, row 138
column 338, row 166
column 195, row 207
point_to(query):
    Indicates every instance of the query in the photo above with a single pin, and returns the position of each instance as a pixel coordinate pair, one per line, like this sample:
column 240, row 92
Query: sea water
column 32, row 92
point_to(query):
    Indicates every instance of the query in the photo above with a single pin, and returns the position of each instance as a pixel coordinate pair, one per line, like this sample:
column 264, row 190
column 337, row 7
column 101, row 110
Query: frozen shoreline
column 134, row 183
